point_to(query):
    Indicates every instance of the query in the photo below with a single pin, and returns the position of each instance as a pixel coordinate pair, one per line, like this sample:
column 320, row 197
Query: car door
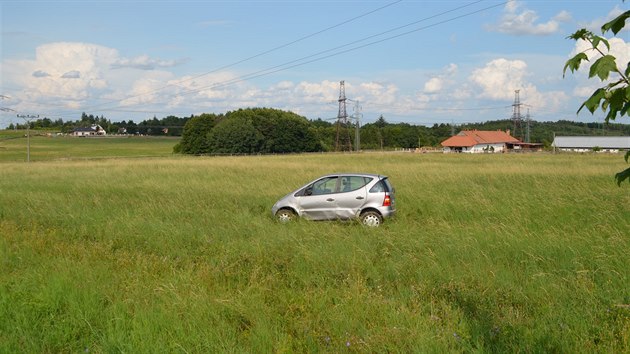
column 317, row 201
column 352, row 195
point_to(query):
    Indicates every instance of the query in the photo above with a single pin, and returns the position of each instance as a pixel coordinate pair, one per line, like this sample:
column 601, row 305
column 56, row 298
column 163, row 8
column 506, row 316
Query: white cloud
column 441, row 80
column 563, row 16
column 144, row 62
column 74, row 74
column 518, row 21
column 434, row 85
column 500, row 78
column 44, row 80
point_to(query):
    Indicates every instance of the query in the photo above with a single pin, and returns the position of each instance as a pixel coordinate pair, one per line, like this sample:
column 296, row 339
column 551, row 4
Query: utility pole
column 28, row 119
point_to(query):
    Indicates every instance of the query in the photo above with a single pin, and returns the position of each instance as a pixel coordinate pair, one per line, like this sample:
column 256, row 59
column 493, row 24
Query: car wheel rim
column 371, row 220
column 284, row 217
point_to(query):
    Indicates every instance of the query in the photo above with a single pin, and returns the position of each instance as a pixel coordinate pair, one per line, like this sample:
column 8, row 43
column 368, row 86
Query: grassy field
column 492, row 253
column 13, row 146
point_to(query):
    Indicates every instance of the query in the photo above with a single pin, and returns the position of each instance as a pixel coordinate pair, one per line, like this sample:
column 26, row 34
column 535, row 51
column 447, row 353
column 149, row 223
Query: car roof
column 373, row 175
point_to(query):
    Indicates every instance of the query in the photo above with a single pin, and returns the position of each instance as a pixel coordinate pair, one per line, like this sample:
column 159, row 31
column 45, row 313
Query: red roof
column 468, row 138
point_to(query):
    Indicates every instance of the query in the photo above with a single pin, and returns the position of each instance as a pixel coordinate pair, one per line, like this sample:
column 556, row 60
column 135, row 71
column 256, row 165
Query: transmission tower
column 516, row 116
column 527, row 130
column 343, row 141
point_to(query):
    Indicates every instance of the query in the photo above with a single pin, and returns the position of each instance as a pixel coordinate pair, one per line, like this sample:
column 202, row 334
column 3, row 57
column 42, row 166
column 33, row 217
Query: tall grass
column 498, row 253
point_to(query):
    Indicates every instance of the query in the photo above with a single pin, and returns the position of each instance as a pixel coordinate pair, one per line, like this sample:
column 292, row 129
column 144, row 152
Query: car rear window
column 382, row 186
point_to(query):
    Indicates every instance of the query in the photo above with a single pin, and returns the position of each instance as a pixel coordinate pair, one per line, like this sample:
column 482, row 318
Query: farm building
column 94, row 130
column 481, row 141
column 590, row 143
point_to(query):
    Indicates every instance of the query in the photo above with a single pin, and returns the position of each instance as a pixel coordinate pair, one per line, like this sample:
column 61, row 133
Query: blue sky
column 420, row 62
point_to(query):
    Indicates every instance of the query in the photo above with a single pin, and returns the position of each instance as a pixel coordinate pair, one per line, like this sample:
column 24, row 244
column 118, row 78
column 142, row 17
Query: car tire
column 371, row 218
column 285, row 215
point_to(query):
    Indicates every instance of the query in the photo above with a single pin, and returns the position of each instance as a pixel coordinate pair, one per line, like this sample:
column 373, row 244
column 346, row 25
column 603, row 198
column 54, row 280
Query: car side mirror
column 308, row 191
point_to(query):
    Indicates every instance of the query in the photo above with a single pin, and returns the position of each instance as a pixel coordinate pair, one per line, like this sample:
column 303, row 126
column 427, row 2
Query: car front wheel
column 285, row 215
column 371, row 218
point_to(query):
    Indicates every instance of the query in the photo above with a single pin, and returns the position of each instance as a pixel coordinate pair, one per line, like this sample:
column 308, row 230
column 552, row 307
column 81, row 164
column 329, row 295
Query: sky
column 412, row 61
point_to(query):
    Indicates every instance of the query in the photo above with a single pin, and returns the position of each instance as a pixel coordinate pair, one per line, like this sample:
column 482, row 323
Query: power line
column 254, row 56
column 317, row 56
column 300, row 62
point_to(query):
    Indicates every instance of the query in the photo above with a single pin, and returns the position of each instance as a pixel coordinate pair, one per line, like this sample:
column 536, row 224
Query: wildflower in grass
column 495, row 331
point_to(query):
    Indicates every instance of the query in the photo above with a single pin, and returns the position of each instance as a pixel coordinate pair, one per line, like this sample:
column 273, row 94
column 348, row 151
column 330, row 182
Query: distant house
column 481, row 141
column 94, row 130
column 590, row 143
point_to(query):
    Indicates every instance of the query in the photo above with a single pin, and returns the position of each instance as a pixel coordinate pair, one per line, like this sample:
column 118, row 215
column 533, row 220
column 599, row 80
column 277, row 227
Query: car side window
column 352, row 183
column 326, row 185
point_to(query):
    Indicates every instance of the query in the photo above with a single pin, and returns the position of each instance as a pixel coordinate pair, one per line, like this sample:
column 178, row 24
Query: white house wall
column 479, row 149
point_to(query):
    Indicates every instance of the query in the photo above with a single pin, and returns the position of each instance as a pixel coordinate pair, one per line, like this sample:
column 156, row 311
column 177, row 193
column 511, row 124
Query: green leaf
column 622, row 176
column 581, row 34
column 603, row 66
column 574, row 63
column 616, row 24
column 597, row 39
column 592, row 103
column 627, row 156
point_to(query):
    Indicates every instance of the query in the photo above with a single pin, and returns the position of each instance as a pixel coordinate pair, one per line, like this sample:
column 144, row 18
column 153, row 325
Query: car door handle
column 330, row 200
column 360, row 197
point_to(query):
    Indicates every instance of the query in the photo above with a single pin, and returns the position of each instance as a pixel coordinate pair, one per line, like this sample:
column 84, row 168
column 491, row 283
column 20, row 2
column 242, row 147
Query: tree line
column 268, row 130
column 170, row 126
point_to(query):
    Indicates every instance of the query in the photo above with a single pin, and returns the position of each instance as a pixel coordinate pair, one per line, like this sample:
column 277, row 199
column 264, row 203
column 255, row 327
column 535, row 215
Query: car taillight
column 387, row 201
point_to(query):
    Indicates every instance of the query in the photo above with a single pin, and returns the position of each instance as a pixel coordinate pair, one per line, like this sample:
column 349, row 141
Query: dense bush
column 195, row 134
column 247, row 131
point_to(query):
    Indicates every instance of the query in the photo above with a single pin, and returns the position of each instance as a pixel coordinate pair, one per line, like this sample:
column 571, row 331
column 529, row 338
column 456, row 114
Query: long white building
column 589, row 143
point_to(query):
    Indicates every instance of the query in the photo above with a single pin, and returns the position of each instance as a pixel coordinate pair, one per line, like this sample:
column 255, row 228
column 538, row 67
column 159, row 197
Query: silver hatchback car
column 367, row 197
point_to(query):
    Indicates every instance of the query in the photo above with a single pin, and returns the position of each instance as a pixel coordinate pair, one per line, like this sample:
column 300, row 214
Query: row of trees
column 267, row 130
column 170, row 126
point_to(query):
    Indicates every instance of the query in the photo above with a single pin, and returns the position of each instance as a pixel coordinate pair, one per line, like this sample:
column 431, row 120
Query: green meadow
column 100, row 252
column 14, row 146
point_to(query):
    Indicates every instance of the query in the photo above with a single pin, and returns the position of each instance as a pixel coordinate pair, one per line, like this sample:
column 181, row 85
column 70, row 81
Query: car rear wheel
column 371, row 218
column 285, row 215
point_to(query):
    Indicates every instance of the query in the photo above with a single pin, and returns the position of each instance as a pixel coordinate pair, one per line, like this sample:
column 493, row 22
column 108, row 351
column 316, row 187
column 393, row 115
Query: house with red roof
column 481, row 141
